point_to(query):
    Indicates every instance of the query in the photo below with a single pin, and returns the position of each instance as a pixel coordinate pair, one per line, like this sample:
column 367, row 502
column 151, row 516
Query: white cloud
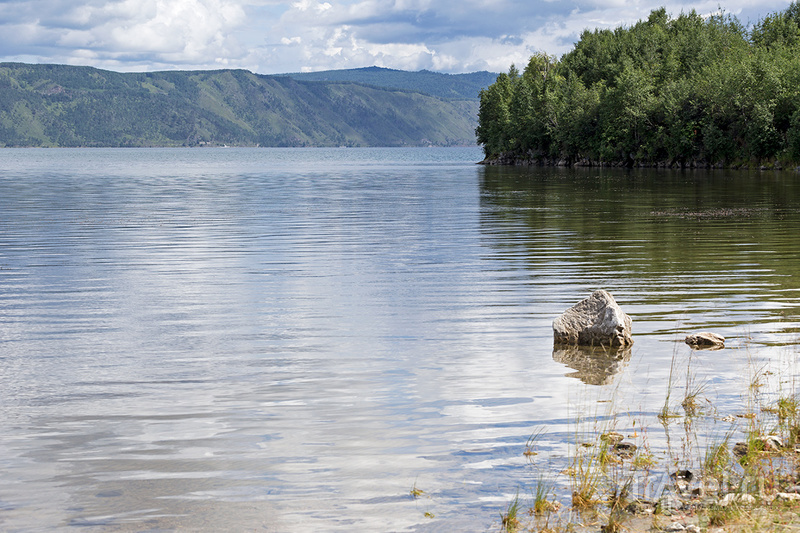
column 157, row 32
column 272, row 36
column 306, row 5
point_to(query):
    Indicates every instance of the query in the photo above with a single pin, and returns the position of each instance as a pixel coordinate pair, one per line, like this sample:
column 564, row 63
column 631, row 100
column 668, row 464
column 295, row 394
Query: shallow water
column 292, row 339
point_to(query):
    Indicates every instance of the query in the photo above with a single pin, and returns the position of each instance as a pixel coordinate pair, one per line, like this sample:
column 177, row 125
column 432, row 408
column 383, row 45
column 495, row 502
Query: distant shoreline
column 515, row 159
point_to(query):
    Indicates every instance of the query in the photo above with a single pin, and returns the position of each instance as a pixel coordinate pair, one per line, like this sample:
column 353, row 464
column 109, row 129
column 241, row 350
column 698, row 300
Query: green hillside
column 57, row 105
column 453, row 86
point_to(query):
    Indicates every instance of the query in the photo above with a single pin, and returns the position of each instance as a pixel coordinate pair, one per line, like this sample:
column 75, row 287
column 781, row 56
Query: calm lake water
column 292, row 339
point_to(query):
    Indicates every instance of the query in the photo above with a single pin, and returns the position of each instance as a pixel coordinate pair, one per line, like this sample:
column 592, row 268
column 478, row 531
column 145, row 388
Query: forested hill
column 57, row 105
column 684, row 91
column 452, row 86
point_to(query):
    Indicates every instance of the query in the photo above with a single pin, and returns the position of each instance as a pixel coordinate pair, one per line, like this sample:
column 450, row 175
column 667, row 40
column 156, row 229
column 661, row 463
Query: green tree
column 684, row 89
column 626, row 116
column 779, row 29
column 493, row 130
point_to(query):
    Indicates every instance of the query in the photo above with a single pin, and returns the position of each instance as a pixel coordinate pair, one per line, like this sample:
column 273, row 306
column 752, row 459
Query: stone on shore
column 705, row 340
column 597, row 320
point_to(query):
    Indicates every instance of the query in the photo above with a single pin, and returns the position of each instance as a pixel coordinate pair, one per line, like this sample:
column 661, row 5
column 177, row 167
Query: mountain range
column 60, row 105
column 448, row 86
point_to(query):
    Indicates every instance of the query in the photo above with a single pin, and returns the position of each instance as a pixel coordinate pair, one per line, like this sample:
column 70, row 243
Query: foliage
column 58, row 105
column 450, row 86
column 663, row 91
column 509, row 521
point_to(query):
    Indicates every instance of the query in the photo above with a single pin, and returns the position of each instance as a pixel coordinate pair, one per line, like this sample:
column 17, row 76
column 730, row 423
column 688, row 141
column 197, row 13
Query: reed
column 530, row 445
column 509, row 521
column 541, row 503
column 732, row 477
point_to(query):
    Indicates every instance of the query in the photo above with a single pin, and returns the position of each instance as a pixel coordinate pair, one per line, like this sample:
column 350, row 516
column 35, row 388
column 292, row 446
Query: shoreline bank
column 514, row 159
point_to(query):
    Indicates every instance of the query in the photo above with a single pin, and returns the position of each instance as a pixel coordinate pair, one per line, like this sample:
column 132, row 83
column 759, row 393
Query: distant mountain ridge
column 451, row 86
column 59, row 105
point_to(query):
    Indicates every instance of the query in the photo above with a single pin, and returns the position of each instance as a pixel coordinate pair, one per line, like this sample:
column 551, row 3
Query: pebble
column 624, row 449
column 745, row 499
column 771, row 443
column 678, row 526
column 670, row 502
column 612, row 437
column 682, row 474
column 740, row 449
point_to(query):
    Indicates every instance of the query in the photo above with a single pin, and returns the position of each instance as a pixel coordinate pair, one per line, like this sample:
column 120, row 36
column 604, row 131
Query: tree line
column 686, row 90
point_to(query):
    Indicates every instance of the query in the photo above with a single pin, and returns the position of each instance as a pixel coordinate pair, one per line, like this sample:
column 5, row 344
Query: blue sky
column 276, row 36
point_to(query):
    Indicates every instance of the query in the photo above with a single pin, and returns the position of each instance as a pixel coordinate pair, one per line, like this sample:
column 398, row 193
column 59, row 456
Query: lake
column 294, row 339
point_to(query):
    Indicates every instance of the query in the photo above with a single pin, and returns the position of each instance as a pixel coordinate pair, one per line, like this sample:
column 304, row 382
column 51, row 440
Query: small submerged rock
column 612, row 437
column 740, row 449
column 766, row 443
column 625, row 450
column 705, row 341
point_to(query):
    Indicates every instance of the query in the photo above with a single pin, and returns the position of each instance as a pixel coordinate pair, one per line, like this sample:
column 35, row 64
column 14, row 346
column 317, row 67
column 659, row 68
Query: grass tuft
column 509, row 521
column 531, row 443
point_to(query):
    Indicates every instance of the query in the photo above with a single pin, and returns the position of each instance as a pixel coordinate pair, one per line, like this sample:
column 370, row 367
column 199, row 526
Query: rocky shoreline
column 533, row 160
column 618, row 484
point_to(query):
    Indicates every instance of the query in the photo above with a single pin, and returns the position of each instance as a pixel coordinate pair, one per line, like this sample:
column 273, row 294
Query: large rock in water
column 597, row 320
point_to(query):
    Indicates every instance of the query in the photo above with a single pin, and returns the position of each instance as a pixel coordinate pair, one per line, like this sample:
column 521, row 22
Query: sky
column 277, row 36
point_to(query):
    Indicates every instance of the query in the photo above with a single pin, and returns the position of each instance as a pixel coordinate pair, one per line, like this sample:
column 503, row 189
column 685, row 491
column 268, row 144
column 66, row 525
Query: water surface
column 292, row 339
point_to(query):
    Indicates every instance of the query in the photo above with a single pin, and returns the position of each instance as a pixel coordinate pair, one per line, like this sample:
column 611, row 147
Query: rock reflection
column 595, row 365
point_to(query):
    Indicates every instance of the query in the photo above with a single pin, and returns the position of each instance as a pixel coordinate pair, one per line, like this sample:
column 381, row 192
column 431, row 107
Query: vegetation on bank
column 59, row 105
column 689, row 90
column 745, row 477
column 449, row 86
